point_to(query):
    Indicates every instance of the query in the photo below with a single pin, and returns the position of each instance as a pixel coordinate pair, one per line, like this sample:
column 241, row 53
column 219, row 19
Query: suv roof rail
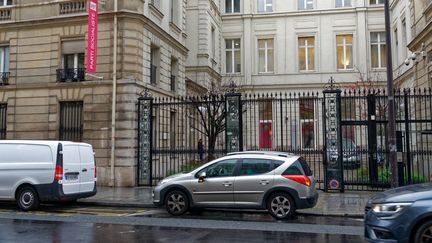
column 274, row 153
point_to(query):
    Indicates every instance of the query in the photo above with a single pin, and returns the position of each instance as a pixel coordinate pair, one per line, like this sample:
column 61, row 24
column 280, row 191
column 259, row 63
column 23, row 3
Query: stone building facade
column 46, row 94
column 278, row 45
column 412, row 43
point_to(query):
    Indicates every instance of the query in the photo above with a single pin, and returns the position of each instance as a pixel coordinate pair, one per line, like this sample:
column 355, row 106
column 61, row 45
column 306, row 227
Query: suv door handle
column 227, row 184
column 84, row 170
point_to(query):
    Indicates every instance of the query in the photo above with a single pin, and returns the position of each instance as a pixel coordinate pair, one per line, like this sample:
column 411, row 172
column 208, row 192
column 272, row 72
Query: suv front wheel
column 176, row 203
column 280, row 205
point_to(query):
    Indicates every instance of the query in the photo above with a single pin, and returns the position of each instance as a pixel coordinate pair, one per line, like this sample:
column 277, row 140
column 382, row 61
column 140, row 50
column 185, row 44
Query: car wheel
column 280, row 206
column 27, row 199
column 424, row 233
column 176, row 203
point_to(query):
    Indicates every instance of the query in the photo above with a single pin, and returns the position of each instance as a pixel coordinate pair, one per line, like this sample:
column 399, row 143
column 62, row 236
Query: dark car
column 402, row 214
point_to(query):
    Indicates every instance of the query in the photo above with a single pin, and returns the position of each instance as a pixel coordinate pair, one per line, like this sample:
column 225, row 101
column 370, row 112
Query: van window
column 25, row 153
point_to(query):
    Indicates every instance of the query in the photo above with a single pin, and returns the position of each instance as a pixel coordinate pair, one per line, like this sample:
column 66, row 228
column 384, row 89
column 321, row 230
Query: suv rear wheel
column 27, row 199
column 176, row 203
column 424, row 232
column 280, row 205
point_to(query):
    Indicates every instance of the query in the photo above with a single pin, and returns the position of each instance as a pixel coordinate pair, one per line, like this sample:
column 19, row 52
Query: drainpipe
column 114, row 97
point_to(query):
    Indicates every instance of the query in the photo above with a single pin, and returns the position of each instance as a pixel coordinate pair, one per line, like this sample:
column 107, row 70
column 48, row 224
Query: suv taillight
column 302, row 179
column 58, row 173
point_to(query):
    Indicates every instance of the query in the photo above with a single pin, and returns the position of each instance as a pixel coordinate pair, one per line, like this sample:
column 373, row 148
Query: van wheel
column 176, row 203
column 424, row 233
column 27, row 199
column 280, row 206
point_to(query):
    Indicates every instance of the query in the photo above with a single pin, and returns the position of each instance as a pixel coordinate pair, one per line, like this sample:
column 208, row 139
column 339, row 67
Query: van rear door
column 87, row 180
column 71, row 169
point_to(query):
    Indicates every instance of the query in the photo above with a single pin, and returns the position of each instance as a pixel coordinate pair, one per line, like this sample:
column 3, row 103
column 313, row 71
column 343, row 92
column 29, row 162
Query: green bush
column 384, row 175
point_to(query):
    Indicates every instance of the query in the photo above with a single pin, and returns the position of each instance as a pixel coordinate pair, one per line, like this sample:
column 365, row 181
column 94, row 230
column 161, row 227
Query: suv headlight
column 389, row 210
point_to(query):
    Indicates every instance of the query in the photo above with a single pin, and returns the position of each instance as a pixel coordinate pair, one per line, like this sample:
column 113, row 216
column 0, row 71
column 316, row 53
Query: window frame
column 232, row 6
column 379, row 44
column 376, row 2
column 266, row 55
column 306, row 47
column 233, row 50
column 205, row 169
column 265, row 3
column 305, row 5
column 6, row 3
column 344, row 5
column 345, row 45
column 4, row 59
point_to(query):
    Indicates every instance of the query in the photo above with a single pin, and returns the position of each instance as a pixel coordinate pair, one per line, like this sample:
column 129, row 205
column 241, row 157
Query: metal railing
column 4, row 78
column 73, row 7
column 71, row 74
column 173, row 83
column 71, row 121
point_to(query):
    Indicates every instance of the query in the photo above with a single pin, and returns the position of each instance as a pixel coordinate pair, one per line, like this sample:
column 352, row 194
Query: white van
column 46, row 171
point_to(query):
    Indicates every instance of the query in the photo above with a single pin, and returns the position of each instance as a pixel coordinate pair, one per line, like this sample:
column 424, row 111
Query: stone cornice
column 82, row 19
column 420, row 37
column 302, row 13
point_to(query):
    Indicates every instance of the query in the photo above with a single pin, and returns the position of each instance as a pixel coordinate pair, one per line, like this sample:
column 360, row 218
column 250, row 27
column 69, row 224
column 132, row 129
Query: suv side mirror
column 202, row 176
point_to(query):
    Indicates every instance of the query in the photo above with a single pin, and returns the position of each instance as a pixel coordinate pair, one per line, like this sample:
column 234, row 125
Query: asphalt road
column 77, row 223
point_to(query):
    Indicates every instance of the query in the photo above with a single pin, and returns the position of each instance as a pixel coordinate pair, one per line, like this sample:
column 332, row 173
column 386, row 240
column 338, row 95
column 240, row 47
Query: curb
column 117, row 204
column 151, row 205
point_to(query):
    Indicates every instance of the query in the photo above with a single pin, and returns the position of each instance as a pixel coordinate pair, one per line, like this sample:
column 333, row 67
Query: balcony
column 71, row 75
column 4, row 78
column 5, row 14
column 73, row 7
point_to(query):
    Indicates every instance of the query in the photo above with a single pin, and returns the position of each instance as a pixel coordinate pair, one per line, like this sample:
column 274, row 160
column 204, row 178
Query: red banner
column 92, row 36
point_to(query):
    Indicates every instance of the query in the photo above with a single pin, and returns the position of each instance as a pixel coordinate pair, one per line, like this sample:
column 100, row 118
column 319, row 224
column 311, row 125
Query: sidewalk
column 329, row 204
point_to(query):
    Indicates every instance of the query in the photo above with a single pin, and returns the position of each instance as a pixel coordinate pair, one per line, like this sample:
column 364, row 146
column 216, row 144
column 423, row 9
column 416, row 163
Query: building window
column 306, row 53
column 233, row 56
column 232, row 6
column 305, row 4
column 265, row 6
column 73, row 61
column 378, row 50
column 154, row 65
column 175, row 11
column 396, row 46
column 344, row 52
column 265, row 55
column 343, row 3
column 71, row 121
column 213, row 42
column 173, row 130
column 265, row 124
column 307, row 123
column 404, row 38
column 3, row 120
column 5, row 2
column 375, row 2
column 4, row 65
column 174, row 74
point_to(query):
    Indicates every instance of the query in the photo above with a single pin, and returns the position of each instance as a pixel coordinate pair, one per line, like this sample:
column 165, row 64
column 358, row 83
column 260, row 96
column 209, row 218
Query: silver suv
column 276, row 181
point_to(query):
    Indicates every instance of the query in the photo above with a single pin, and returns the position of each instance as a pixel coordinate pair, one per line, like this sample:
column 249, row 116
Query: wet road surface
column 77, row 223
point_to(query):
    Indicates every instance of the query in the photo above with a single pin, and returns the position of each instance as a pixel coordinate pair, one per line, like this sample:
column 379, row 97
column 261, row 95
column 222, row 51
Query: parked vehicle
column 402, row 214
column 278, row 182
column 43, row 171
column 351, row 158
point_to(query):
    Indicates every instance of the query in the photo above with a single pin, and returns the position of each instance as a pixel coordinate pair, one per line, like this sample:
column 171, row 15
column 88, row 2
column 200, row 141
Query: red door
column 265, row 135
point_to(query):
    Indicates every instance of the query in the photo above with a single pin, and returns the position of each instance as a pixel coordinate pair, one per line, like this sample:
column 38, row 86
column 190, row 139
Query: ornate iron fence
column 3, row 121
column 296, row 123
column 71, row 121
